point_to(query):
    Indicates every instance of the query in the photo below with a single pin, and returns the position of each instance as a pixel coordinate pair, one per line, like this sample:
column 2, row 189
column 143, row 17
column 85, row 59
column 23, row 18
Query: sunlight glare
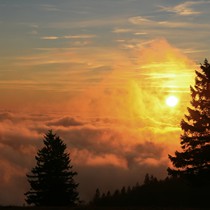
column 172, row 101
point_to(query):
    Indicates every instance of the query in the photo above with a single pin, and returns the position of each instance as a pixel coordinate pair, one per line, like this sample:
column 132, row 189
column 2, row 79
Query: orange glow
column 136, row 92
column 110, row 109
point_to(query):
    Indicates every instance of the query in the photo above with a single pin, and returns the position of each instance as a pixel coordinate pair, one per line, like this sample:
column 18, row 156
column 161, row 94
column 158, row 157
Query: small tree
column 193, row 162
column 97, row 196
column 51, row 180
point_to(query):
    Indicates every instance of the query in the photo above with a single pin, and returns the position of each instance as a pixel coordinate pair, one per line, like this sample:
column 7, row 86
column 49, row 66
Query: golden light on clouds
column 98, row 74
column 136, row 90
column 117, row 117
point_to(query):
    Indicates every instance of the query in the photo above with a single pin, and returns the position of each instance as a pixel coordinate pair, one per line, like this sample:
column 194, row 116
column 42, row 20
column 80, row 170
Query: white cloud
column 184, row 9
column 139, row 20
column 80, row 36
column 108, row 21
column 122, row 30
column 140, row 33
column 191, row 50
column 172, row 24
column 50, row 37
column 144, row 21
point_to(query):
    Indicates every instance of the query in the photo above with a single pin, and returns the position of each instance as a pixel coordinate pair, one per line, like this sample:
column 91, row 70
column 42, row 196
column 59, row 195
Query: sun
column 172, row 101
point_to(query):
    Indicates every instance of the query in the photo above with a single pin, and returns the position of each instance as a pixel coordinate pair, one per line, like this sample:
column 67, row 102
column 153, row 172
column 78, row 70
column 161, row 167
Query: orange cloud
column 118, row 123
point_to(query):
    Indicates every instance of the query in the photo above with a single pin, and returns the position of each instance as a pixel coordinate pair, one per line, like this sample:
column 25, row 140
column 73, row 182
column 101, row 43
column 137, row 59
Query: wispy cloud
column 79, row 36
column 145, row 21
column 122, row 30
column 110, row 21
column 50, row 37
column 128, row 30
column 51, row 57
column 172, row 24
column 191, row 50
column 140, row 33
column 139, row 20
column 50, row 8
column 184, row 9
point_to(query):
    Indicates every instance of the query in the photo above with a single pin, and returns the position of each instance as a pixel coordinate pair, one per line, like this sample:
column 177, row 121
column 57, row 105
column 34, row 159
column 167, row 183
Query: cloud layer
column 116, row 130
column 101, row 149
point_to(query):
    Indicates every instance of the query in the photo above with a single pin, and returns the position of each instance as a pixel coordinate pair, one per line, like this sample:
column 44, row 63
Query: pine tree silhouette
column 51, row 180
column 193, row 162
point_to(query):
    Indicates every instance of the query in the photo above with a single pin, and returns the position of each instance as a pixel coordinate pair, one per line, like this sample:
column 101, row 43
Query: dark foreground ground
column 102, row 208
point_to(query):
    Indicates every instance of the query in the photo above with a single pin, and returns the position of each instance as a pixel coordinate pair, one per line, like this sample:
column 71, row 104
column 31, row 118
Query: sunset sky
column 97, row 72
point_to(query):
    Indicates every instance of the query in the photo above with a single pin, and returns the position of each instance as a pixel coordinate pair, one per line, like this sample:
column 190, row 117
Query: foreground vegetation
column 100, row 208
column 170, row 192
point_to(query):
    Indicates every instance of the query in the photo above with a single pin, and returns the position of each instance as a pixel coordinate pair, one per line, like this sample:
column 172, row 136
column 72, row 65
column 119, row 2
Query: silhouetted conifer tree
column 193, row 162
column 123, row 191
column 146, row 179
column 116, row 193
column 97, row 197
column 51, row 180
column 128, row 189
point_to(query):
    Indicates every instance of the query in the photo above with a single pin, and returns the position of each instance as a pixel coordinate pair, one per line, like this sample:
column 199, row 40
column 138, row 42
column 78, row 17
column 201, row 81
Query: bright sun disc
column 172, row 101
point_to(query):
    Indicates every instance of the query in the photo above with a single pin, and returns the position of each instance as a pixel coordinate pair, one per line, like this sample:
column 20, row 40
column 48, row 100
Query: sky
column 98, row 73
